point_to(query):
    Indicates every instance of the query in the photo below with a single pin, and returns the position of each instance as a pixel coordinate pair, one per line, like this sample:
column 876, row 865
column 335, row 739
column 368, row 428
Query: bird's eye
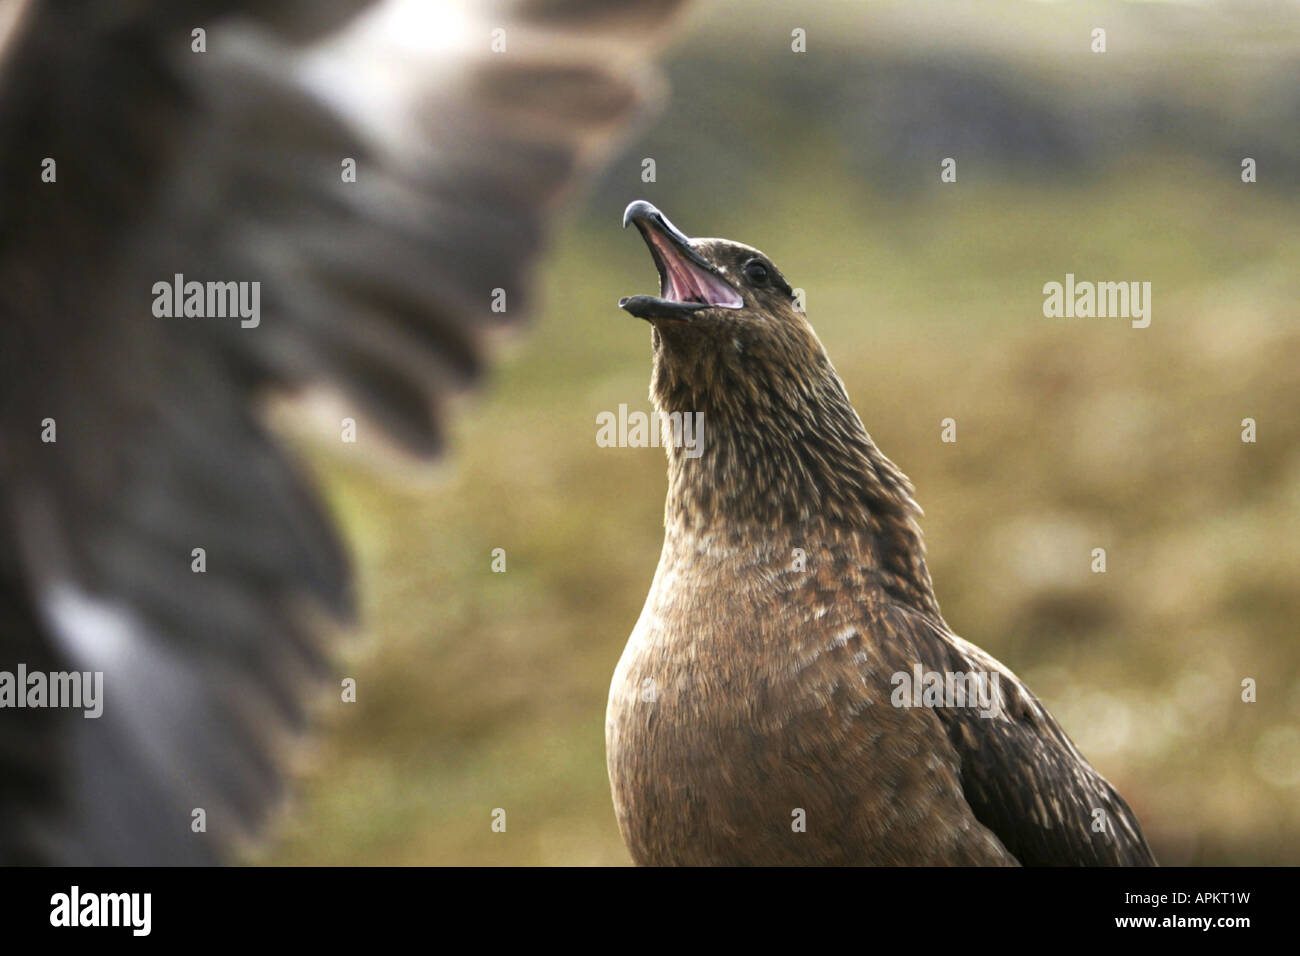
column 756, row 272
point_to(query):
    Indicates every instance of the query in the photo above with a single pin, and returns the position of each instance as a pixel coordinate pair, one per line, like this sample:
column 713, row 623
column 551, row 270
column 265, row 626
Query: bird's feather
column 1021, row 775
column 227, row 165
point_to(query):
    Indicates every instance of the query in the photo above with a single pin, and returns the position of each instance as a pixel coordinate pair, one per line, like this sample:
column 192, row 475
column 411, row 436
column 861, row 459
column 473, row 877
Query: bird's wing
column 150, row 527
column 1020, row 774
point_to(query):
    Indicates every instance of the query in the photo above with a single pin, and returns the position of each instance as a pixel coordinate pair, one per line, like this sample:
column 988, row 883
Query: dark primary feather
column 1019, row 772
column 226, row 166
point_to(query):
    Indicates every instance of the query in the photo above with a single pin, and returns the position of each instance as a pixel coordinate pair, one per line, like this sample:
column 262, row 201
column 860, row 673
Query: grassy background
column 481, row 690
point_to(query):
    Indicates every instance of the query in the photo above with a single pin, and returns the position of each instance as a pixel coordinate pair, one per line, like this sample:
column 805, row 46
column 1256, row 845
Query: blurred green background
column 479, row 690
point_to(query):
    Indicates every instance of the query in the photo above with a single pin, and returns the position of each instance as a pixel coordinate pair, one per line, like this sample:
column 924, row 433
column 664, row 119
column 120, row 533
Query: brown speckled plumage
column 755, row 690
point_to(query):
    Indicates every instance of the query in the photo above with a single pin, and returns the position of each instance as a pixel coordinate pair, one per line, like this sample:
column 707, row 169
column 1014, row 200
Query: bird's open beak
column 687, row 283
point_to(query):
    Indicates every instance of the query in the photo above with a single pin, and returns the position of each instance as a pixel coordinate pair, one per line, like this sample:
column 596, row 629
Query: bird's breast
column 736, row 706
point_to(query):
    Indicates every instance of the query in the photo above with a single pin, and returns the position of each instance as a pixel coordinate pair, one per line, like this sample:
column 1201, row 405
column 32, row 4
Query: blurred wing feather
column 227, row 166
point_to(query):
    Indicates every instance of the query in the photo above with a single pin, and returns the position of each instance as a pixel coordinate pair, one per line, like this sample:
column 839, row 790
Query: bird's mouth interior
column 687, row 283
column 681, row 280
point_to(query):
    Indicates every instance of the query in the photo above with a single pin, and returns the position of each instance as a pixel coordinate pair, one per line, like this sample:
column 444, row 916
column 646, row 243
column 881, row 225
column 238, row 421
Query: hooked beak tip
column 638, row 209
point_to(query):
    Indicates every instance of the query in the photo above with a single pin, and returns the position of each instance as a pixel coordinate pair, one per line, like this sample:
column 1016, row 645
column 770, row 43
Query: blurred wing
column 1022, row 777
column 372, row 199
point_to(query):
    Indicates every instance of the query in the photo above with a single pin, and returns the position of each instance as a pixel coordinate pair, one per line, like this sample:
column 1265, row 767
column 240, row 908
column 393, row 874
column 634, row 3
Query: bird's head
column 724, row 316
column 712, row 286
column 780, row 440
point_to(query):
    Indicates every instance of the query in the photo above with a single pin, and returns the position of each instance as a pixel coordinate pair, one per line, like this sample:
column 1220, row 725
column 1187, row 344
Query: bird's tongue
column 686, row 282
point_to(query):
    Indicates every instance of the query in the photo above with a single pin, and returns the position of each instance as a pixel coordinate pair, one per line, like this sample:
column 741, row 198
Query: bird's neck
column 765, row 459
